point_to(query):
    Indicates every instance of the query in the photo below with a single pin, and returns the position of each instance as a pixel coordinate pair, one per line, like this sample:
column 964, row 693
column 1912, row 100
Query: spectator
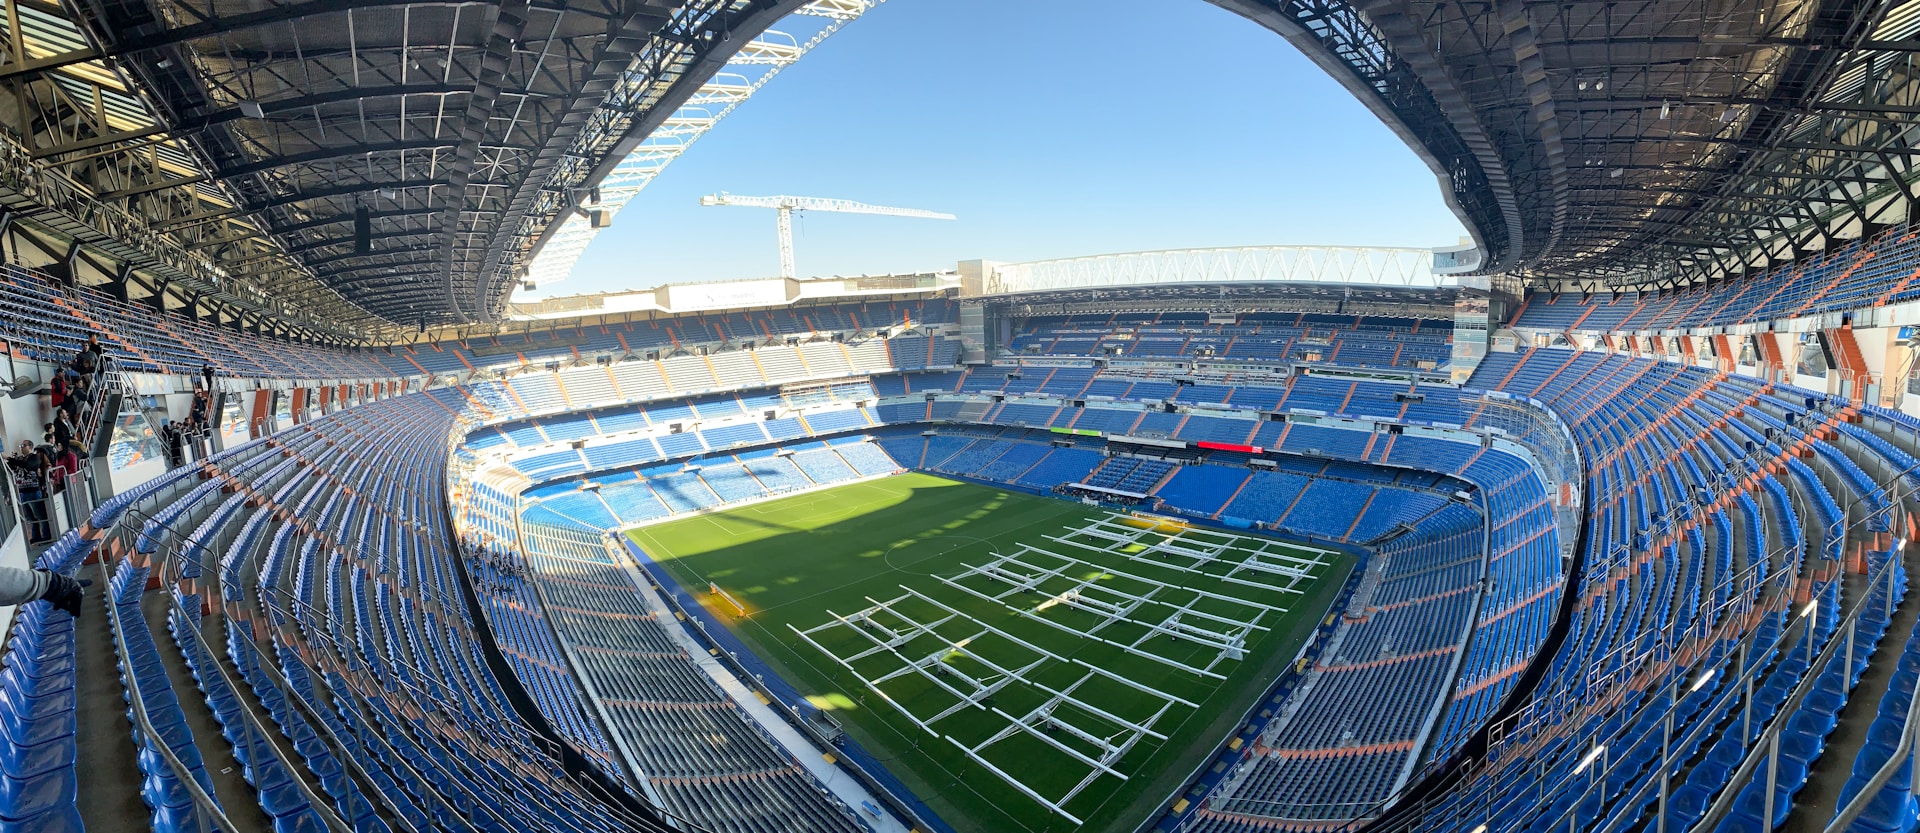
column 207, row 372
column 83, row 394
column 27, row 467
column 19, row 586
column 64, row 433
column 58, row 391
column 71, row 404
column 197, row 414
column 61, row 463
column 87, row 360
column 171, row 438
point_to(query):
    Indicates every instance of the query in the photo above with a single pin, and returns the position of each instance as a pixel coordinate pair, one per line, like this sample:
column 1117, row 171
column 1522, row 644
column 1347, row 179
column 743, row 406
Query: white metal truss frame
column 1102, row 672
column 1200, row 549
column 968, row 691
column 1037, row 722
column 1229, row 642
column 1105, row 746
column 1003, row 569
column 1348, row 265
column 1079, row 596
column 1046, row 719
column 743, row 75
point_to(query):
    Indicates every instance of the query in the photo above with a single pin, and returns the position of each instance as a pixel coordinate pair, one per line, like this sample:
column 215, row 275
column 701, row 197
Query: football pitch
column 1021, row 663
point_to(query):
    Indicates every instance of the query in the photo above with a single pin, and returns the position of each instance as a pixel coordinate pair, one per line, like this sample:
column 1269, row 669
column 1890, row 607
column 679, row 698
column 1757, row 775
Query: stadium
column 1596, row 521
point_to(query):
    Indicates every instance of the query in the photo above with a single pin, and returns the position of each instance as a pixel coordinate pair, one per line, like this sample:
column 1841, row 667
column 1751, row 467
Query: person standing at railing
column 28, row 468
column 82, row 396
column 71, row 404
column 18, row 586
column 173, row 439
column 197, row 413
column 61, row 464
column 87, row 360
column 58, row 390
column 64, row 433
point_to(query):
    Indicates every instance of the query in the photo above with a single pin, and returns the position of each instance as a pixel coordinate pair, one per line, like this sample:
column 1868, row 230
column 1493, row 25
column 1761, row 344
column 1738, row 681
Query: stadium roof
column 224, row 149
column 1645, row 142
column 252, row 134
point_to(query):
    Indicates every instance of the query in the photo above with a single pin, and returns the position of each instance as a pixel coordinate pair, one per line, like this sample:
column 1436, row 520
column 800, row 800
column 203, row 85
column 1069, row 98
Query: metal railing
column 1662, row 667
column 1559, row 714
column 254, row 733
column 175, row 545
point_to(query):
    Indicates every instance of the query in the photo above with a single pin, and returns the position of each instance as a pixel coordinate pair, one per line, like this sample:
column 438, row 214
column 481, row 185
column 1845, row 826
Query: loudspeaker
column 362, row 230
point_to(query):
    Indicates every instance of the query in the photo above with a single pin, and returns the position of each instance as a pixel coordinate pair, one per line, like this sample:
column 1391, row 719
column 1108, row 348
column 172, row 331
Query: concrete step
column 1816, row 804
column 106, row 753
column 236, row 796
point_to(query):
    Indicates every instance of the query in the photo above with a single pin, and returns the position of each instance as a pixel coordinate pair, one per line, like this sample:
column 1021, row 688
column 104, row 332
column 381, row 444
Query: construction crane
column 787, row 205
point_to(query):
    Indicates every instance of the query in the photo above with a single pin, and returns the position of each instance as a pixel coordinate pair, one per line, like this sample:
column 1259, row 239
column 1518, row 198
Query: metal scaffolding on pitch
column 1062, row 712
column 1042, row 719
column 1094, row 669
column 1254, row 555
column 1080, row 596
column 1226, row 636
column 934, row 667
column 1046, row 719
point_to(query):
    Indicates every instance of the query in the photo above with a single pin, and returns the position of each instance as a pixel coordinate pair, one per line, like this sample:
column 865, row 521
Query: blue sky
column 1053, row 128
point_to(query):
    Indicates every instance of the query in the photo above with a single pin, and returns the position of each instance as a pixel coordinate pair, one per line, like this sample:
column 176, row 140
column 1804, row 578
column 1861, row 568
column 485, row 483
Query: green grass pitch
column 789, row 562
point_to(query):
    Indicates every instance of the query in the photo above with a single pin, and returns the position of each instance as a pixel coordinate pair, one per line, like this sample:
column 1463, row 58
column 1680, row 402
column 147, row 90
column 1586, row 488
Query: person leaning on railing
column 28, row 468
column 19, row 586
column 89, row 358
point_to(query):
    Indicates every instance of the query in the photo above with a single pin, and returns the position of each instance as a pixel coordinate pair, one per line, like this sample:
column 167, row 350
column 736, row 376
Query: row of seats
column 626, row 499
column 673, row 489
column 668, row 335
column 50, row 322
column 1859, row 274
column 709, row 762
column 1672, row 453
column 1275, row 337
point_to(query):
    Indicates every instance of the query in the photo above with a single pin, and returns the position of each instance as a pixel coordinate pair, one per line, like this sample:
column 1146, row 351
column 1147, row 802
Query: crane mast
column 785, row 206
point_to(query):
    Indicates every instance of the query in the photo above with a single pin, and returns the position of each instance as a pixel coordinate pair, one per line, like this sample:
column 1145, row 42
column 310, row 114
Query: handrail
column 1770, row 736
column 619, row 561
column 256, row 730
column 289, row 609
column 400, row 681
column 1884, row 775
column 205, row 805
column 1634, row 668
column 361, row 695
column 322, row 804
column 1770, row 733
